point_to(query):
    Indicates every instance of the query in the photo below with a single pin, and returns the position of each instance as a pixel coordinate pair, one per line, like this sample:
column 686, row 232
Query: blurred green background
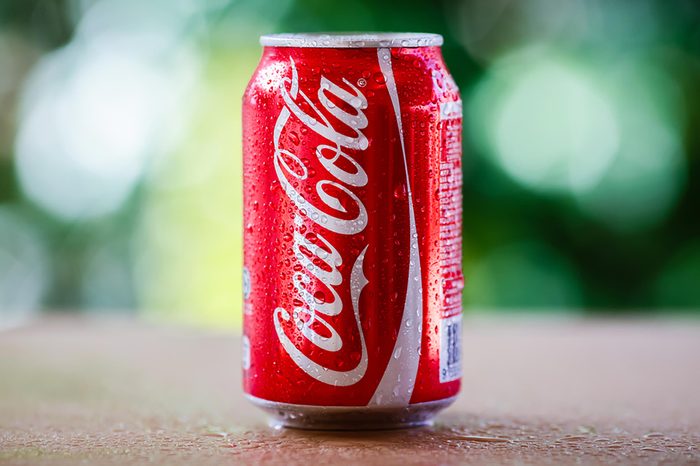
column 120, row 162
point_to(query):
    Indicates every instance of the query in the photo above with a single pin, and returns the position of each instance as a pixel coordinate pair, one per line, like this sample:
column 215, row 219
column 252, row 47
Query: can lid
column 352, row 40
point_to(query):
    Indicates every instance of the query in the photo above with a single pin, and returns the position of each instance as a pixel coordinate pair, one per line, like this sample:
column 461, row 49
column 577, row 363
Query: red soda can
column 352, row 219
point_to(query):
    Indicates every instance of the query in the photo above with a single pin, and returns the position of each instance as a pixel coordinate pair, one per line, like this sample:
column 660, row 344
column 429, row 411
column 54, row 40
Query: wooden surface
column 534, row 392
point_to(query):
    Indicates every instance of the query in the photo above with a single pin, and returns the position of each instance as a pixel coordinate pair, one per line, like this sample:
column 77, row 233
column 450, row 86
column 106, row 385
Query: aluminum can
column 352, row 231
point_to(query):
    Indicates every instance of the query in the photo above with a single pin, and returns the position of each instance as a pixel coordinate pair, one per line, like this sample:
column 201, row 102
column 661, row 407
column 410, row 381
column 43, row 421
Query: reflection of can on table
column 352, row 200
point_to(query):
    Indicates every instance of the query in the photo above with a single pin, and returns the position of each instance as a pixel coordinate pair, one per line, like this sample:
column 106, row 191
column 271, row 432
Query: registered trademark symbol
column 362, row 82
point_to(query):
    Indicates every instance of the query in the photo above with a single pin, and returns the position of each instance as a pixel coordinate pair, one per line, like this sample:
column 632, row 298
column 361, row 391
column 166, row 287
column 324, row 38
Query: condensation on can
column 352, row 231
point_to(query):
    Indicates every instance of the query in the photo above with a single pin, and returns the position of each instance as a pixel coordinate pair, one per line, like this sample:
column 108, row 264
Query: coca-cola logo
column 335, row 194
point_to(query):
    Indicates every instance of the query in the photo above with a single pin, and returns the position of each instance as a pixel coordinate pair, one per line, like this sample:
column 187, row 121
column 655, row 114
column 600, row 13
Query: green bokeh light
column 191, row 232
column 608, row 136
column 522, row 275
column 643, row 182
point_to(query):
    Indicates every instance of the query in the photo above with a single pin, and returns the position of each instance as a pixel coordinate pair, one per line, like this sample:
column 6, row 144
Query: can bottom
column 351, row 417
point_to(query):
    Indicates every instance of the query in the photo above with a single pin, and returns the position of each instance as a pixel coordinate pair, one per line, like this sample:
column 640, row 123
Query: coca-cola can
column 352, row 218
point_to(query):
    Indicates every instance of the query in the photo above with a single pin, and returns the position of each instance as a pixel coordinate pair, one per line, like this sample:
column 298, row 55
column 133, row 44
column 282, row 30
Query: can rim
column 352, row 40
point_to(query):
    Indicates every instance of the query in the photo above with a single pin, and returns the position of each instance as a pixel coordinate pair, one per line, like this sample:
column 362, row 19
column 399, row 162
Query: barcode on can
column 450, row 348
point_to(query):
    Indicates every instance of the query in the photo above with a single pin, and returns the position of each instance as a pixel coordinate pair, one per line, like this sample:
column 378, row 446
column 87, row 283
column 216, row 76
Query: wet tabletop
column 534, row 392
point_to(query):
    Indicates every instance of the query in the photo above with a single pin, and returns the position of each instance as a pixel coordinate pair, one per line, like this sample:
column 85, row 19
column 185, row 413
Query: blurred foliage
column 120, row 157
